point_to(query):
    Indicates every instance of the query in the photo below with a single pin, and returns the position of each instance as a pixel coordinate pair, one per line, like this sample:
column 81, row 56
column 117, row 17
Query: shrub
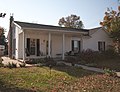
column 109, row 54
column 49, row 61
column 34, row 61
column 40, row 65
column 71, row 59
column 1, row 64
column 87, row 56
column 90, row 56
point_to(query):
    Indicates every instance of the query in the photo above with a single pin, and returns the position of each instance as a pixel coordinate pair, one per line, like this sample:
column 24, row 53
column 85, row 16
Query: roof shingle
column 34, row 25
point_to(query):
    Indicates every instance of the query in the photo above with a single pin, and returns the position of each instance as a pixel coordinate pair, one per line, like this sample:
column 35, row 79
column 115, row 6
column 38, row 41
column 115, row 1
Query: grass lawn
column 61, row 79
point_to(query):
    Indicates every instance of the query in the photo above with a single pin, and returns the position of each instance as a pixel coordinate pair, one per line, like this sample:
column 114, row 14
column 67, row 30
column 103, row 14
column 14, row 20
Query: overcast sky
column 49, row 12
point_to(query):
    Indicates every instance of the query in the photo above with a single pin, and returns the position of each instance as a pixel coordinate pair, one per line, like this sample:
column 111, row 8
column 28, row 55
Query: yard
column 60, row 79
column 112, row 64
column 108, row 59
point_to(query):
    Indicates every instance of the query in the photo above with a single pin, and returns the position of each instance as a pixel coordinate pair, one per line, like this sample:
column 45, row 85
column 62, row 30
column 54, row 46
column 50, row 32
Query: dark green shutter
column 79, row 45
column 72, row 45
column 38, row 47
column 98, row 46
column 104, row 45
column 28, row 47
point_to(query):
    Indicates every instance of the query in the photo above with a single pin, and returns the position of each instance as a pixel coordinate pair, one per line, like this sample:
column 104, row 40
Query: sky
column 49, row 12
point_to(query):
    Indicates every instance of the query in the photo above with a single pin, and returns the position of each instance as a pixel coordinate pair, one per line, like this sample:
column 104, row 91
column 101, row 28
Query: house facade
column 98, row 40
column 30, row 40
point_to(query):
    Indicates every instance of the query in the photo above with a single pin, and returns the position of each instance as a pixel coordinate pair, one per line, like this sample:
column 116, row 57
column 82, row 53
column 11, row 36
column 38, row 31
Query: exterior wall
column 20, row 48
column 57, row 44
column 17, row 41
column 92, row 42
column 68, row 43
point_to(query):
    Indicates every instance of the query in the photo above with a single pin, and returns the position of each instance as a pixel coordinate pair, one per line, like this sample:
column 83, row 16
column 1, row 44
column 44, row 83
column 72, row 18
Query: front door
column 33, row 47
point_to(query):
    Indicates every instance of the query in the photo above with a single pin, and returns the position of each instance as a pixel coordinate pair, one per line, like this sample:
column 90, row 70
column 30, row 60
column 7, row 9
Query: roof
column 93, row 30
column 34, row 25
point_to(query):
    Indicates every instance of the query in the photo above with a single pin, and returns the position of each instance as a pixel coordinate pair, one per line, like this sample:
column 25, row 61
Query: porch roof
column 25, row 25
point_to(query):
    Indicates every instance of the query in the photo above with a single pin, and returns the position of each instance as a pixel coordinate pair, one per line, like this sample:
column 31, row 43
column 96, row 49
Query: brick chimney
column 10, row 37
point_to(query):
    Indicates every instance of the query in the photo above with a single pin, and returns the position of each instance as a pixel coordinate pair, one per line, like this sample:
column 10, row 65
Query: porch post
column 49, row 44
column 63, row 46
column 23, row 46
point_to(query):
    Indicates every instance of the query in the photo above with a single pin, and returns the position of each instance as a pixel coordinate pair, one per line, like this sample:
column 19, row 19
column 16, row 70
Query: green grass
column 61, row 79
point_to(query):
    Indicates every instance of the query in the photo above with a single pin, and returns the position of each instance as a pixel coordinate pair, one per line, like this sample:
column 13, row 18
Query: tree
column 2, row 15
column 72, row 21
column 2, row 36
column 111, row 23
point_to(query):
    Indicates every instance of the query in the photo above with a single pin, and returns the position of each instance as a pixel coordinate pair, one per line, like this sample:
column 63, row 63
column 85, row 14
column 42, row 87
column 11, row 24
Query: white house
column 30, row 40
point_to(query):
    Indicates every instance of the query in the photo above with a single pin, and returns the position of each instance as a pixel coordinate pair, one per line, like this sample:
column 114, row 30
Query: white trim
column 17, row 25
column 76, row 38
column 23, row 46
column 63, row 46
column 56, row 30
column 49, row 44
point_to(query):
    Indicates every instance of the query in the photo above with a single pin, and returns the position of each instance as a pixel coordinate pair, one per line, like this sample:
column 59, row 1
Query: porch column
column 23, row 46
column 49, row 44
column 63, row 46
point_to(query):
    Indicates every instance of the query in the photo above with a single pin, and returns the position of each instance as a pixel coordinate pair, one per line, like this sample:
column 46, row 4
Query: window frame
column 101, row 46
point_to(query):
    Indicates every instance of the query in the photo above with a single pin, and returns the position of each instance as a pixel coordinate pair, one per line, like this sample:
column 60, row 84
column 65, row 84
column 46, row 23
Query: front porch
column 42, row 43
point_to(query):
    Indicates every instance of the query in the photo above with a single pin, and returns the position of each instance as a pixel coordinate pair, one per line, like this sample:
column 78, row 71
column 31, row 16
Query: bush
column 87, row 56
column 71, row 59
column 109, row 54
column 49, row 61
column 11, row 65
column 1, row 64
column 34, row 61
column 90, row 56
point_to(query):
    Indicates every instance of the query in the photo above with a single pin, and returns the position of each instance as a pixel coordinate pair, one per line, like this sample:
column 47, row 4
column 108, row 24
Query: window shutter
column 38, row 47
column 28, row 47
column 104, row 45
column 79, row 45
column 98, row 46
column 72, row 45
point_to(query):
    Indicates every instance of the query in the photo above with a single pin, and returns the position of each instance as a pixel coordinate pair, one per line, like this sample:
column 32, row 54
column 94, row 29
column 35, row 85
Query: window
column 33, row 47
column 75, row 46
column 101, row 46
